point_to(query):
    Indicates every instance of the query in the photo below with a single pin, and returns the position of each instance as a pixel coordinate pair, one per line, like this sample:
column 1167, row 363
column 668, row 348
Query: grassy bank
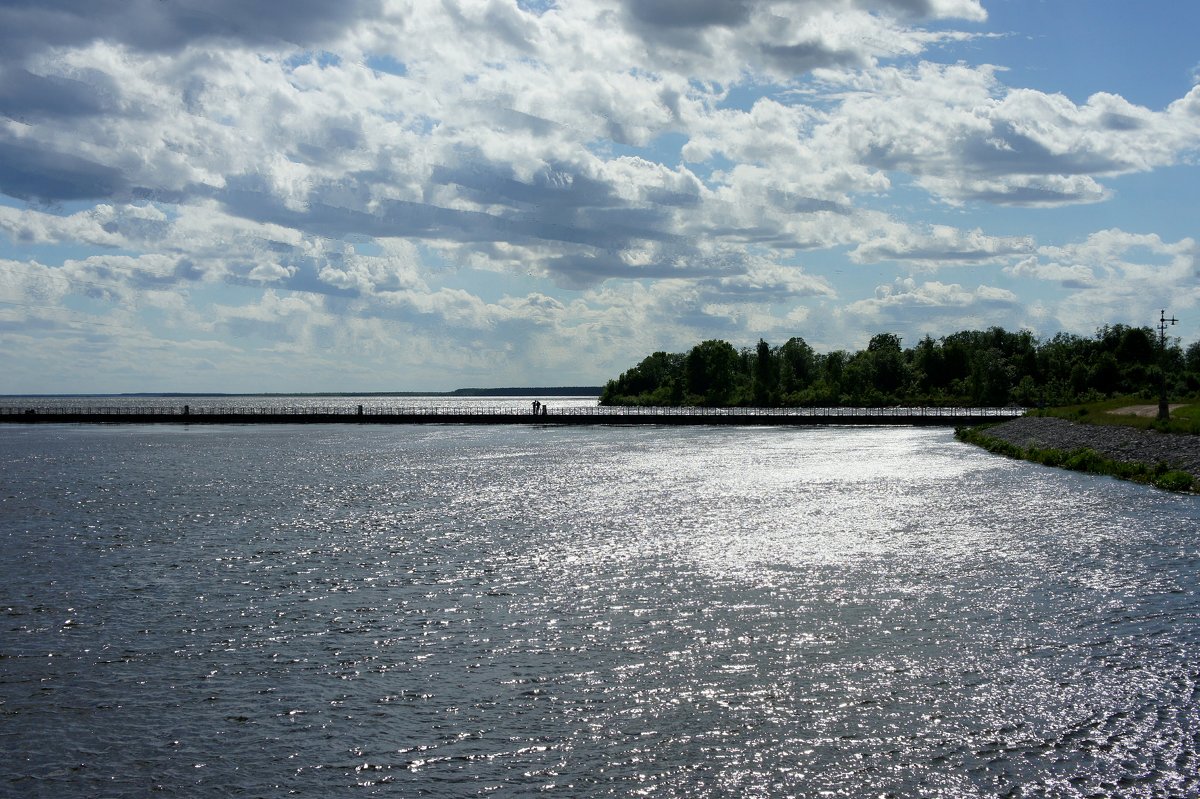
column 1083, row 460
column 1185, row 417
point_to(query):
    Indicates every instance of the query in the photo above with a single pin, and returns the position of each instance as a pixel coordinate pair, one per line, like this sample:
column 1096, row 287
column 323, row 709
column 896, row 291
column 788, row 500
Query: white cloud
column 95, row 227
column 602, row 175
column 765, row 281
column 1116, row 274
column 1067, row 275
column 269, row 272
column 913, row 309
column 966, row 137
column 940, row 245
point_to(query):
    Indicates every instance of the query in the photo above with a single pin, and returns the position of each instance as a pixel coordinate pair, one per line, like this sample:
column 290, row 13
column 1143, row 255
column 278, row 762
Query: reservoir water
column 586, row 612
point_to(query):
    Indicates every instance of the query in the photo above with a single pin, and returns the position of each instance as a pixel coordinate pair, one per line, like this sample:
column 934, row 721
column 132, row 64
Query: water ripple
column 612, row 612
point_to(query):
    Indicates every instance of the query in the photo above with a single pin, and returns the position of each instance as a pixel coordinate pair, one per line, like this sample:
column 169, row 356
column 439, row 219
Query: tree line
column 991, row 367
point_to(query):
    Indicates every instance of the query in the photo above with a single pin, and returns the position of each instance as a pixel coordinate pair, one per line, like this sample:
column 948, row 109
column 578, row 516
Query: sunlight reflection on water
column 587, row 612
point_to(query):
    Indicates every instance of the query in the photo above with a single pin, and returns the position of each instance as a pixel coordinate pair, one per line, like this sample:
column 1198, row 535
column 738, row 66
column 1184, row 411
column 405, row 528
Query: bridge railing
column 472, row 409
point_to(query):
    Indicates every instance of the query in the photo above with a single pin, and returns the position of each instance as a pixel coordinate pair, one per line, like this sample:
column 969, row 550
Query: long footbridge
column 481, row 415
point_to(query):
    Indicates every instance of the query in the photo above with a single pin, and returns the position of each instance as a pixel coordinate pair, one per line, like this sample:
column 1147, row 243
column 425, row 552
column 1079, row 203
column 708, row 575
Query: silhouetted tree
column 710, row 370
column 888, row 368
column 982, row 367
column 797, row 365
column 766, row 376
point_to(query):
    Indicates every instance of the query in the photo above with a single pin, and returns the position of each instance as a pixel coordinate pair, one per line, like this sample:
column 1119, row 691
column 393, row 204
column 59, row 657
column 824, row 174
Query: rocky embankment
column 1125, row 444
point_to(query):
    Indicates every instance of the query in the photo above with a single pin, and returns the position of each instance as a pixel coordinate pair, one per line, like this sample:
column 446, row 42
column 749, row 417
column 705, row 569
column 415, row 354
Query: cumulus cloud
column 34, row 173
column 1116, row 274
column 941, row 244
column 1076, row 276
column 719, row 39
column 966, row 137
column 30, row 25
column 914, row 309
column 26, row 95
column 484, row 170
column 765, row 281
column 688, row 13
column 99, row 226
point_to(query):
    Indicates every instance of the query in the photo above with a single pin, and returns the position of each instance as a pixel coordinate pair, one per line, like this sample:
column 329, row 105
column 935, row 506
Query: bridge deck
column 563, row 416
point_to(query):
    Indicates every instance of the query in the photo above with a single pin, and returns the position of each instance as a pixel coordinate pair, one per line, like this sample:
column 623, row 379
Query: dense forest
column 980, row 368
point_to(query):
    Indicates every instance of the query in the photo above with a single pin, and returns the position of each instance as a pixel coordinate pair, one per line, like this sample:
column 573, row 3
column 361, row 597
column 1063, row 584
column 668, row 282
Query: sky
column 412, row 195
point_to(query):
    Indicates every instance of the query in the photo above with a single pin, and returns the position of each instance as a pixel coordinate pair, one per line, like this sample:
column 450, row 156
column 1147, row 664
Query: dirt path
column 1142, row 410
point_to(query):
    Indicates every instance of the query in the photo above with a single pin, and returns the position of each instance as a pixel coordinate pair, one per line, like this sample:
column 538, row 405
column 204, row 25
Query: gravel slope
column 1118, row 443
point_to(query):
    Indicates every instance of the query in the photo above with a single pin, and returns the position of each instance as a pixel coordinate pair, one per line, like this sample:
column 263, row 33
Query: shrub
column 1048, row 457
column 1130, row 471
column 1174, row 480
column 1084, row 460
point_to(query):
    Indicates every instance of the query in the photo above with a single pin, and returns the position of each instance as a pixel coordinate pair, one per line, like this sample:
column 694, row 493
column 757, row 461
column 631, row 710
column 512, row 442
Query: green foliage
column 657, row 380
column 766, row 376
column 1174, row 480
column 711, row 373
column 990, row 367
column 1085, row 460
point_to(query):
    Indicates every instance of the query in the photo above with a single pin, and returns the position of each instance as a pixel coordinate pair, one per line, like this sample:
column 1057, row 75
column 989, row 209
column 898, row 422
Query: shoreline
column 1148, row 456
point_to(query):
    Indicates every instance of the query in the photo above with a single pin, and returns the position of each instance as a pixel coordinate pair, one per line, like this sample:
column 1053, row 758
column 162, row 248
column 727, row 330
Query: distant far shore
column 551, row 391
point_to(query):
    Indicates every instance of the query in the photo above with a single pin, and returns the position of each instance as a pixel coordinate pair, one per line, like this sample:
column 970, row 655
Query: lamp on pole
column 1164, row 412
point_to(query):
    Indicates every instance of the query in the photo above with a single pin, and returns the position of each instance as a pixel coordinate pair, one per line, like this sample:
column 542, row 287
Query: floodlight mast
column 1164, row 411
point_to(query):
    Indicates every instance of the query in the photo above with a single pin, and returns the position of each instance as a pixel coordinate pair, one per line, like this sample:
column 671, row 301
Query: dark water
column 477, row 611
